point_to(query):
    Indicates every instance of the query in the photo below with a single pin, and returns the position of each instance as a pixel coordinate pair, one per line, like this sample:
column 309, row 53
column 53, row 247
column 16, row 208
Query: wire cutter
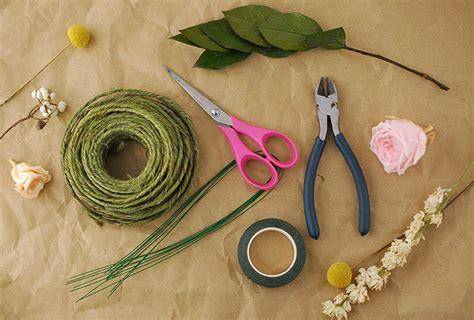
column 327, row 102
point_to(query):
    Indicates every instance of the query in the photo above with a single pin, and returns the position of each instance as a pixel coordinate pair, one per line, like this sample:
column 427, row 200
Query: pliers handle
column 312, row 168
column 310, row 179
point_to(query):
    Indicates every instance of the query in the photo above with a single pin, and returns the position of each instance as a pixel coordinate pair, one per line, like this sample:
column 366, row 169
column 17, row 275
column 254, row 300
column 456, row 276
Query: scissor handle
column 261, row 136
column 243, row 154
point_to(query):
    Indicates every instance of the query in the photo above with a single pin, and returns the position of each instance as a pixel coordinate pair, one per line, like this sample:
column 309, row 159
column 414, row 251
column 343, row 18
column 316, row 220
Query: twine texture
column 98, row 129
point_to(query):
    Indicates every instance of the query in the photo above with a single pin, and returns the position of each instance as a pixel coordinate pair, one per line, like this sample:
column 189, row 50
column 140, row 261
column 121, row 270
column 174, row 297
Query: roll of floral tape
column 156, row 123
column 260, row 277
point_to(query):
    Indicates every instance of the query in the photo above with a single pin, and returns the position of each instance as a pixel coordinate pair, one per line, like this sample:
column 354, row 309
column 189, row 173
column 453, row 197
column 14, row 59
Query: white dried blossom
column 33, row 95
column 328, row 307
column 338, row 308
column 340, row 298
column 357, row 293
column 62, row 106
column 371, row 278
column 435, row 199
column 340, row 312
column 389, row 260
column 411, row 234
column 401, row 249
column 436, row 219
column 342, row 302
column 47, row 100
column 44, row 93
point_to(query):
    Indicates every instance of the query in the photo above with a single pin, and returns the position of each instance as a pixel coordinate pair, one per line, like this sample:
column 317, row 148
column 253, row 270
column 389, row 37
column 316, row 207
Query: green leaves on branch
column 221, row 32
column 332, row 39
column 219, row 60
column 255, row 29
column 245, row 21
column 288, row 31
column 264, row 30
column 200, row 39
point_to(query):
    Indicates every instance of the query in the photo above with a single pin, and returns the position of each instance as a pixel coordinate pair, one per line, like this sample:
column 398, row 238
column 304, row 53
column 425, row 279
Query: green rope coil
column 156, row 123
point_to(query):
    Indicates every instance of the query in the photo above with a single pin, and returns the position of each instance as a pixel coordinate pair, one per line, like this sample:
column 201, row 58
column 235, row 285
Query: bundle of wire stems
column 147, row 254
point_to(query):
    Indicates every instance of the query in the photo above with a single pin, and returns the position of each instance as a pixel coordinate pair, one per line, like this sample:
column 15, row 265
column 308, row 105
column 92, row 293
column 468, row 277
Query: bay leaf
column 333, row 39
column 182, row 38
column 219, row 60
column 288, row 31
column 276, row 52
column 196, row 36
column 221, row 32
column 245, row 20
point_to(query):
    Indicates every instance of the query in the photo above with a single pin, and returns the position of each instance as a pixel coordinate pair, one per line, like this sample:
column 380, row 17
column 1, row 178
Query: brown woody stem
column 14, row 125
column 31, row 115
column 398, row 64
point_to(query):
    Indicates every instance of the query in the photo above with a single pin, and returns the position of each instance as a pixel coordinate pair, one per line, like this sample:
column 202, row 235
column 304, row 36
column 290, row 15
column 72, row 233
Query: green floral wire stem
column 159, row 232
column 147, row 254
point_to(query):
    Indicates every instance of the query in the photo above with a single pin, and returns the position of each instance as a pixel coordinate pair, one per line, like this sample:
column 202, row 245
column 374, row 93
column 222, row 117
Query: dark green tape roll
column 296, row 240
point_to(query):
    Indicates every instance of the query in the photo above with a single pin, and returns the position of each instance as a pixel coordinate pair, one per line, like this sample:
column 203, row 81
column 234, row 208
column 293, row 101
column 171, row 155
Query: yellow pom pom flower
column 339, row 275
column 78, row 35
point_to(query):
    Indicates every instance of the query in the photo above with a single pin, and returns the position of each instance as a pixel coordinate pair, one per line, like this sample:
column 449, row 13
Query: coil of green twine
column 155, row 122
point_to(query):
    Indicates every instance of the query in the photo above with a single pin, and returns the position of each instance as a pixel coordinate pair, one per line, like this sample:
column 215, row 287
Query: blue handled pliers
column 327, row 101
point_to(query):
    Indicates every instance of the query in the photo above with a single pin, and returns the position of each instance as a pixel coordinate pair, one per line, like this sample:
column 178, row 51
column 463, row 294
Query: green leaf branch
column 264, row 30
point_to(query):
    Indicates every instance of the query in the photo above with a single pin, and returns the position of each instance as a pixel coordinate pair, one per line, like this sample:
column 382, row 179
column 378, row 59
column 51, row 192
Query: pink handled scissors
column 231, row 127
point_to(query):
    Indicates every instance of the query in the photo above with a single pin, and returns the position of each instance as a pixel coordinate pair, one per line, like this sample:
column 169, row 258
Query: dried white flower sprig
column 376, row 277
column 46, row 107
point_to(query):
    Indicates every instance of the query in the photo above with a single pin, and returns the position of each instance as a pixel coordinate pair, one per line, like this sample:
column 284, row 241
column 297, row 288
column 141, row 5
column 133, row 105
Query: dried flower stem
column 398, row 64
column 31, row 115
column 449, row 201
column 34, row 76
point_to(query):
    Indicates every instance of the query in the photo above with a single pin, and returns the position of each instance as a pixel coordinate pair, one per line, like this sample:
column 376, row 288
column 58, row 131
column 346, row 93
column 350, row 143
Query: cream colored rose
column 29, row 180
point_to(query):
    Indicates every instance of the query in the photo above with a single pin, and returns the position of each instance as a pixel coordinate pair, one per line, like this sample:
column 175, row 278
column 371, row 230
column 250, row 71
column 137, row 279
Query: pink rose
column 398, row 144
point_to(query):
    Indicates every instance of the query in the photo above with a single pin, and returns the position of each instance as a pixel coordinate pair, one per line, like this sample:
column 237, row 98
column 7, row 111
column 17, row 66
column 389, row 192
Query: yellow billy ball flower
column 339, row 275
column 78, row 35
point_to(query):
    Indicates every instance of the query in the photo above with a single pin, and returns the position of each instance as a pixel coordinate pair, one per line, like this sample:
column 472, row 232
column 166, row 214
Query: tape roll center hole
column 125, row 158
column 271, row 252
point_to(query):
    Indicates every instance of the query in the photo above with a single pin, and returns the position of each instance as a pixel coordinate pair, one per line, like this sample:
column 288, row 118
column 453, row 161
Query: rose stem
column 398, row 64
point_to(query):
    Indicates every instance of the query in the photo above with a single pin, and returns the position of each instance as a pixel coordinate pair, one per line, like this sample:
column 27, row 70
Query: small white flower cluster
column 397, row 254
column 412, row 233
column 374, row 277
column 432, row 204
column 337, row 308
column 48, row 106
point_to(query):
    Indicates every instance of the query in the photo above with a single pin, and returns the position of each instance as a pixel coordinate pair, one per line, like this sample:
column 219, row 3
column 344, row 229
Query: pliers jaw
column 326, row 100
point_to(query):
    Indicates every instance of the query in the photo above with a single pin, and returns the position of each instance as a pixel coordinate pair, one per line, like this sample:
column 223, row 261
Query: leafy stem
column 398, row 64
column 264, row 30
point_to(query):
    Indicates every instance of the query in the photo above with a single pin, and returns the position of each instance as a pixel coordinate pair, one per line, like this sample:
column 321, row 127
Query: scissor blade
column 207, row 105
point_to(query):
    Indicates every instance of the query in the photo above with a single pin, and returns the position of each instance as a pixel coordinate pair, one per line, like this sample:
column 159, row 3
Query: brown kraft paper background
column 46, row 240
